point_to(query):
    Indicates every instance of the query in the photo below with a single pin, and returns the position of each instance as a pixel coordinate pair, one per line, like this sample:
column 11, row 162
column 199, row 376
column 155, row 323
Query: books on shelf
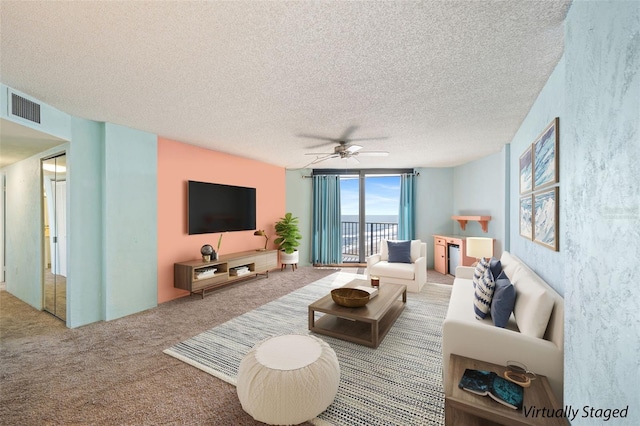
column 373, row 292
column 239, row 271
column 205, row 273
column 483, row 383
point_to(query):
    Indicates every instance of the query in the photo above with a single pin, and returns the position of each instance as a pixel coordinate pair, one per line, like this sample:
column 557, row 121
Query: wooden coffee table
column 366, row 325
column 462, row 407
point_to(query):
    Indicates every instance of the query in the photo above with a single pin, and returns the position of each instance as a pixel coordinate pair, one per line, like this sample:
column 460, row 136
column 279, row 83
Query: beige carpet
column 114, row 373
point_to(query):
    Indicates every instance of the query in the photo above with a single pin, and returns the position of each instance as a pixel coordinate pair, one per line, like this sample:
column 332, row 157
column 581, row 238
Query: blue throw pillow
column 504, row 299
column 399, row 251
column 496, row 267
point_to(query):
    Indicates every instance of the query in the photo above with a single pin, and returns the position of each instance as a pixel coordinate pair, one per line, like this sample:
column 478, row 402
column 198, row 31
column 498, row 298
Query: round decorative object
column 287, row 380
column 206, row 250
column 350, row 297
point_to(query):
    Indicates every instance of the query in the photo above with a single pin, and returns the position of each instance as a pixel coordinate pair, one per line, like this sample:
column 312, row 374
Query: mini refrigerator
column 454, row 258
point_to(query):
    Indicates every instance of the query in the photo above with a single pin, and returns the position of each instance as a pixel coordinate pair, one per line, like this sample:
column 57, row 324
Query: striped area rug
column 399, row 383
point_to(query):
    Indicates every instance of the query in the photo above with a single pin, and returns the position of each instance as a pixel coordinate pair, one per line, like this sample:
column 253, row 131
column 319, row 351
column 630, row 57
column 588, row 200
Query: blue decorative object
column 504, row 299
column 399, row 251
column 496, row 267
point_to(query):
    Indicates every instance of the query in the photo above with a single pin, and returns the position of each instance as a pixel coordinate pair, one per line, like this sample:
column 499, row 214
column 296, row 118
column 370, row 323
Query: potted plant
column 288, row 235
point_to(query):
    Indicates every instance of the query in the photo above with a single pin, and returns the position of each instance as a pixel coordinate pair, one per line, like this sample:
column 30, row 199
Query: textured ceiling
column 443, row 82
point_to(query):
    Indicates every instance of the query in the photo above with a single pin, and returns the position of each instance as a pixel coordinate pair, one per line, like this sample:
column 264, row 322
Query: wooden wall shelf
column 483, row 220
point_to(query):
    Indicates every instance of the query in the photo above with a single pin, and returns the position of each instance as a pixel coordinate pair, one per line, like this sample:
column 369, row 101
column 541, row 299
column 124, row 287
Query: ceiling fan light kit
column 345, row 149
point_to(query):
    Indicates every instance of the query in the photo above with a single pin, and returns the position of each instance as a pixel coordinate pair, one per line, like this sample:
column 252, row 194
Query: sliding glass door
column 369, row 210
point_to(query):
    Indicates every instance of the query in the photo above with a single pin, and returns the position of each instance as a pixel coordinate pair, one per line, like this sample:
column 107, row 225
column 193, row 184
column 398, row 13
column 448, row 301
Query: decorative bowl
column 350, row 297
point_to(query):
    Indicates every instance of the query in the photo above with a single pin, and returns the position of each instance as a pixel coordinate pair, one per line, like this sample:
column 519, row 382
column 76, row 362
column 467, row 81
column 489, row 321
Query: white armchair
column 413, row 275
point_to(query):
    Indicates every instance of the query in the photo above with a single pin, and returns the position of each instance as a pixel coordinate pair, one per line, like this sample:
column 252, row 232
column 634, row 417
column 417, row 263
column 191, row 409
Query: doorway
column 54, row 208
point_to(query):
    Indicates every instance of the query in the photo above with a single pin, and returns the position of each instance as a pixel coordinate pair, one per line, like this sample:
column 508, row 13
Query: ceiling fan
column 344, row 148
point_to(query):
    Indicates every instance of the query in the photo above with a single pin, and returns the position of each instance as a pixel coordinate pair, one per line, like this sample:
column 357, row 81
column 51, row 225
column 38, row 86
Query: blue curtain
column 406, row 216
column 327, row 222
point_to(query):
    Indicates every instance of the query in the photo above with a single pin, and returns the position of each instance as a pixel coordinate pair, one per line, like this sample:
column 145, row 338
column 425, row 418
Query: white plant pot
column 289, row 259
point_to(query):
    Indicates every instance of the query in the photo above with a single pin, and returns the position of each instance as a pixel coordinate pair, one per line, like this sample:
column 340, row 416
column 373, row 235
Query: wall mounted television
column 213, row 207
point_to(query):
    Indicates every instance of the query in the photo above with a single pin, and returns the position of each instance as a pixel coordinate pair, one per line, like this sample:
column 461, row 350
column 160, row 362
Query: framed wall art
column 545, row 218
column 526, row 217
column 526, row 170
column 545, row 156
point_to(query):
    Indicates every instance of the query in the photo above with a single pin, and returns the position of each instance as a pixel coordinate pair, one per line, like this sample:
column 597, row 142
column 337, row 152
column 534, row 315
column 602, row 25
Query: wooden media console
column 197, row 276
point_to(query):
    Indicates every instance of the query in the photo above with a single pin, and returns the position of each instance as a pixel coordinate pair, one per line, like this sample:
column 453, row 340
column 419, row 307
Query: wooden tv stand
column 191, row 275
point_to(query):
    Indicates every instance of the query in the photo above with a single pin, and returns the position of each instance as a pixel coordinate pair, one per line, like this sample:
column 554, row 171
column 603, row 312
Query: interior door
column 54, row 204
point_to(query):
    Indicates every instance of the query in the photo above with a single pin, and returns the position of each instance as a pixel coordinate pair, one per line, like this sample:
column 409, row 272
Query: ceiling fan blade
column 380, row 138
column 373, row 153
column 348, row 131
column 322, row 138
column 353, row 148
column 319, row 153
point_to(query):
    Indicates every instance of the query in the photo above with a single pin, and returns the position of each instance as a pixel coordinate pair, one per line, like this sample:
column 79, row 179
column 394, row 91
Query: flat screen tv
column 215, row 207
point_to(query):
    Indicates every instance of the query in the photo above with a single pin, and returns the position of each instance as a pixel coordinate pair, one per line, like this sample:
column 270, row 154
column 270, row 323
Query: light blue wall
column 434, row 201
column 85, row 298
column 549, row 104
column 299, row 201
column 112, row 219
column 24, row 228
column 479, row 190
column 130, row 206
column 434, row 204
column 601, row 207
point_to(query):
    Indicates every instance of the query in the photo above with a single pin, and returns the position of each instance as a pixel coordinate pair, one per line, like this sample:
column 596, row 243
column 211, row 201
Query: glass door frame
column 361, row 174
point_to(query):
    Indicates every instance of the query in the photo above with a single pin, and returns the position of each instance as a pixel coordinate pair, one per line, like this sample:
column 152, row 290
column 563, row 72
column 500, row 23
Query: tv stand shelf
column 196, row 276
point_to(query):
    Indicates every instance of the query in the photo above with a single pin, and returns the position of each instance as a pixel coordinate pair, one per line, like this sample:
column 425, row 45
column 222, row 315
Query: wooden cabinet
column 441, row 253
column 197, row 276
column 440, row 256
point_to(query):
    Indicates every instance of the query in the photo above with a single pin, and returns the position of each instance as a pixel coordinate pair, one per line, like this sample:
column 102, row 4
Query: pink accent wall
column 179, row 163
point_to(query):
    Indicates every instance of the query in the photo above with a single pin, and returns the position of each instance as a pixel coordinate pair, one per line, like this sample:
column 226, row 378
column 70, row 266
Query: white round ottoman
column 288, row 380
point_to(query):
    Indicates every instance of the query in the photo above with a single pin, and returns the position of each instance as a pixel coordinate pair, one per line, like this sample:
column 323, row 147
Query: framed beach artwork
column 526, row 217
column 545, row 156
column 526, row 169
column 545, row 218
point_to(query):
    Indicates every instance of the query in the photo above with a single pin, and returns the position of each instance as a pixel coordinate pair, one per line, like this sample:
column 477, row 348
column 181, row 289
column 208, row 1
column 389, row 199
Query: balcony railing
column 373, row 233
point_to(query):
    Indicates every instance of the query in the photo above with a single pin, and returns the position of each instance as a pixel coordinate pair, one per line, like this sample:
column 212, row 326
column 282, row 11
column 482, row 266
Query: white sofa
column 534, row 335
column 413, row 275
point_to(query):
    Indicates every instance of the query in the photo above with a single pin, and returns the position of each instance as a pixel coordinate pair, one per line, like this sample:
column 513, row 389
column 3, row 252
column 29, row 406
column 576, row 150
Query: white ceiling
column 445, row 82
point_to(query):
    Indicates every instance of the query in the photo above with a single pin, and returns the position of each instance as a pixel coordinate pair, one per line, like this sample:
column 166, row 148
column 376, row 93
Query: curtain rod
column 336, row 174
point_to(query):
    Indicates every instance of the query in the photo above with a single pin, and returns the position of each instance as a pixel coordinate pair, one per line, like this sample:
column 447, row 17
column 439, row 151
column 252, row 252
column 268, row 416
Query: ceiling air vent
column 25, row 108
